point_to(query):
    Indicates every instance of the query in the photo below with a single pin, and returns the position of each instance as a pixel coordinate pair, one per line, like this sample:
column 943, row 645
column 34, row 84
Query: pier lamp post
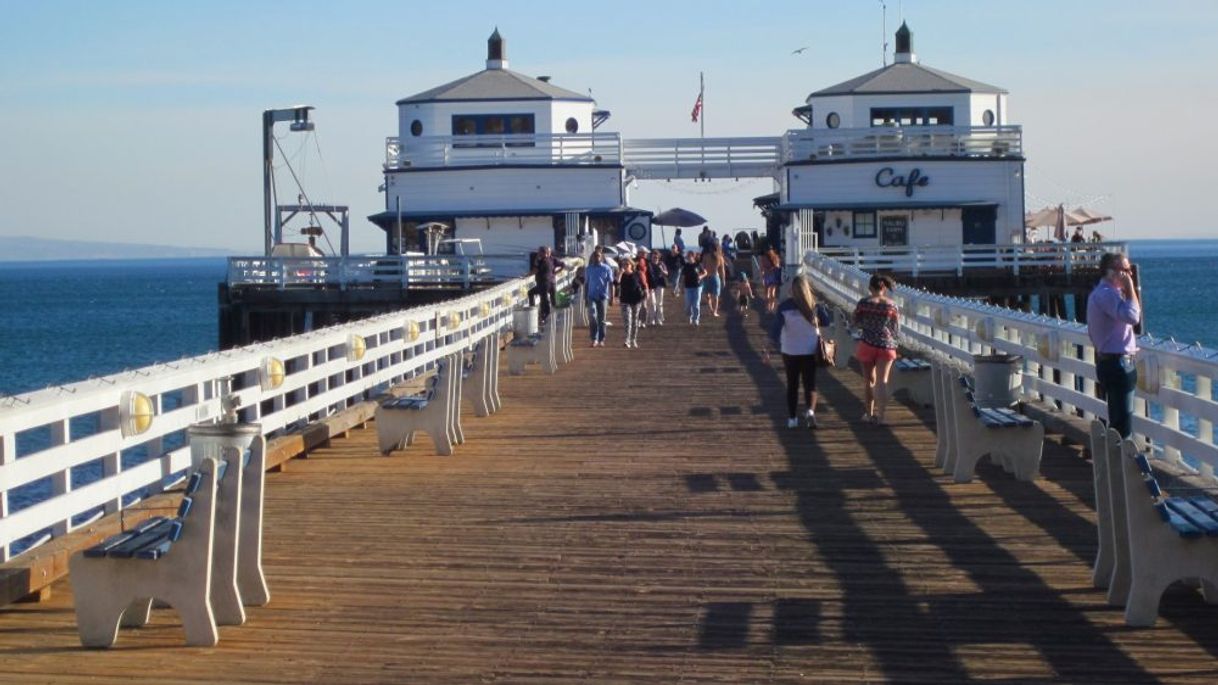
column 299, row 116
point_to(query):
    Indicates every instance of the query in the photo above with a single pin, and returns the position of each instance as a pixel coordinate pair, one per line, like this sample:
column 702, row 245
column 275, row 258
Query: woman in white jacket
column 796, row 331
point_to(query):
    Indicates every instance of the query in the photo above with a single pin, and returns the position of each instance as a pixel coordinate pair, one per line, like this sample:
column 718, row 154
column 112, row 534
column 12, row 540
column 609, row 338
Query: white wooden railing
column 50, row 437
column 924, row 259
column 521, row 148
column 1175, row 406
column 652, row 158
column 914, row 141
column 356, row 272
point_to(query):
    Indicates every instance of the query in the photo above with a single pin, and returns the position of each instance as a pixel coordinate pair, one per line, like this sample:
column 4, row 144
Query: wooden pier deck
column 645, row 516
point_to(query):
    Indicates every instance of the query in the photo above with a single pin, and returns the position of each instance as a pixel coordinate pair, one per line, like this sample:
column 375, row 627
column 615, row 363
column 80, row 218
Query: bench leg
column 138, row 613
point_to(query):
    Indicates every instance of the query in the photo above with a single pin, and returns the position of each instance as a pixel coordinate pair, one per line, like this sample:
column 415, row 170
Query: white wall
column 507, row 235
column 561, row 110
column 995, row 102
column 546, row 188
column 997, row 181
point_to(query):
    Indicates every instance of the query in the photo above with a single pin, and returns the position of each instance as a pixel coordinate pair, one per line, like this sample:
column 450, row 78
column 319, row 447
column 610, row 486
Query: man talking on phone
column 1113, row 309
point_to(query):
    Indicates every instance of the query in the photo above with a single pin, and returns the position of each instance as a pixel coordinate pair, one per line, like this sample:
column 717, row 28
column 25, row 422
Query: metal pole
column 267, row 122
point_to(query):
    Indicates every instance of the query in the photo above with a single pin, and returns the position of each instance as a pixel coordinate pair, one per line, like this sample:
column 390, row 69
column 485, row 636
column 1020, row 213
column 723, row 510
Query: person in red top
column 879, row 323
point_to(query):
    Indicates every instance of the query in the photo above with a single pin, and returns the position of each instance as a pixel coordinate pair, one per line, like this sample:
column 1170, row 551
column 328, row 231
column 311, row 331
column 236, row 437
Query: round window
column 416, row 128
column 833, row 120
column 637, row 231
column 987, row 118
column 572, row 125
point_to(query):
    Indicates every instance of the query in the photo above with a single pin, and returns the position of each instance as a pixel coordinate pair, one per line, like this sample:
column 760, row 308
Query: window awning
column 880, row 206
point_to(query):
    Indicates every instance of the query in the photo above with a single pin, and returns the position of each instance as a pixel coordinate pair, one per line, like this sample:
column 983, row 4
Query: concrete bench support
column 914, row 377
column 535, row 349
column 483, row 373
column 1012, row 441
column 106, row 587
column 399, row 419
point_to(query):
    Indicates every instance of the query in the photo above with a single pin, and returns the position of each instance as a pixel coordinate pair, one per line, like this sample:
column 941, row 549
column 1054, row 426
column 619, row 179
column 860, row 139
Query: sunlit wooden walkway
column 646, row 516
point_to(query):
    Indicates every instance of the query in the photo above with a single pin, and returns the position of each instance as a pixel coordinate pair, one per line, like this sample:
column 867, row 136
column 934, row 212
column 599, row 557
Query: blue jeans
column 596, row 312
column 693, row 308
column 1118, row 376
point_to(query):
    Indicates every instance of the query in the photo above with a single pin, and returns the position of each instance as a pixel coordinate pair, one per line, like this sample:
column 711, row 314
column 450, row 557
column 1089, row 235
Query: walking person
column 716, row 276
column 771, row 278
column 691, row 278
column 598, row 289
column 877, row 318
column 657, row 274
column 1113, row 309
column 795, row 330
column 631, row 294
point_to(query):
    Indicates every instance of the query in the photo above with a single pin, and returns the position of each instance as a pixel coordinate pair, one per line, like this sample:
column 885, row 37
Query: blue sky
column 139, row 121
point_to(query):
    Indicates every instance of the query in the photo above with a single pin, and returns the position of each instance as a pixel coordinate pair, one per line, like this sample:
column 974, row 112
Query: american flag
column 697, row 108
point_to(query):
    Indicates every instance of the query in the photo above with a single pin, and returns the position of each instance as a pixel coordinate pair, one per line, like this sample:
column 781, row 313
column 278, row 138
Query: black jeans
column 549, row 299
column 797, row 366
column 1118, row 376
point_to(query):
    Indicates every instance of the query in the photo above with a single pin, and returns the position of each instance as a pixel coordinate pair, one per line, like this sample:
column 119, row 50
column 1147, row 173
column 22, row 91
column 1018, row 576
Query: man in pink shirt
column 1113, row 309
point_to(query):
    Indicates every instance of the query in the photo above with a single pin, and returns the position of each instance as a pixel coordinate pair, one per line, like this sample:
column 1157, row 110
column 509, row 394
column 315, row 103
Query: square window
column 864, row 225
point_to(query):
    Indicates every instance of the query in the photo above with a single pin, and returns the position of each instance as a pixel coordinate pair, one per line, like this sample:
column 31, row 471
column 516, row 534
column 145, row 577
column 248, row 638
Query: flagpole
column 701, row 93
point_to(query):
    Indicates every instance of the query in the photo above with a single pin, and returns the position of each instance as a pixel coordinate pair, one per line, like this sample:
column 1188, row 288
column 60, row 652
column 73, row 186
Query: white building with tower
column 906, row 155
column 510, row 159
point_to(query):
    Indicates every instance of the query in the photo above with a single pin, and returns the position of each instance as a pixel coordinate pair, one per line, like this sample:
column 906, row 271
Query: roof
column 869, row 206
column 902, row 78
column 494, row 84
column 389, row 217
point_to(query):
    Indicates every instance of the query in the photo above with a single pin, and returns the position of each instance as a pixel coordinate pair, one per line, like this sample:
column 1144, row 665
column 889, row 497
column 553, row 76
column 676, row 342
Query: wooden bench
column 430, row 411
column 169, row 559
column 540, row 348
column 1168, row 538
column 237, row 578
column 1012, row 440
column 913, row 376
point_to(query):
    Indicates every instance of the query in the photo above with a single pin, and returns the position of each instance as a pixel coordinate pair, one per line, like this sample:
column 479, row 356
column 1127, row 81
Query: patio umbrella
column 1081, row 216
column 677, row 217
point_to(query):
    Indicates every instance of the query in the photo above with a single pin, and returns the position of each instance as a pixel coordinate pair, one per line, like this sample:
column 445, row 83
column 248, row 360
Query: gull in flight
column 799, row 51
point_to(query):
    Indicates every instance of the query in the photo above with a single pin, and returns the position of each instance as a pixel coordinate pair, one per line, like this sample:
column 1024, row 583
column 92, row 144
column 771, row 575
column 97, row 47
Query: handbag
column 826, row 350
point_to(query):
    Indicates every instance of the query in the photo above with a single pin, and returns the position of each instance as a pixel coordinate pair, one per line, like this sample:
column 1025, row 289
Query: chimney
column 496, row 51
column 904, row 52
column 543, row 79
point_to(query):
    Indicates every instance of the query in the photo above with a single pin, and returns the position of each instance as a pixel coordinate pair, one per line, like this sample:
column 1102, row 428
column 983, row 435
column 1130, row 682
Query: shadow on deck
column 646, row 516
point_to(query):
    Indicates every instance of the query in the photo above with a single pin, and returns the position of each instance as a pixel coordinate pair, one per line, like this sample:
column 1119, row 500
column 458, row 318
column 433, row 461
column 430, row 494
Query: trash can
column 997, row 379
column 524, row 321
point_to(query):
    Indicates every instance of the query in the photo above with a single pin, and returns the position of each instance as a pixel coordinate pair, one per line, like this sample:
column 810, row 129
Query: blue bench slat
column 1193, row 514
column 192, row 485
column 1205, row 504
column 176, row 532
column 184, row 507
column 101, row 548
column 1153, row 486
column 912, row 365
column 1143, row 464
column 221, row 469
column 246, row 455
column 1014, row 417
column 131, row 547
column 155, row 549
column 1179, row 523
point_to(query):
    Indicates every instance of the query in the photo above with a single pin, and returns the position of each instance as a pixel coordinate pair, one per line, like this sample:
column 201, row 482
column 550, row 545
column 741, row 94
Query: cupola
column 904, row 52
column 496, row 51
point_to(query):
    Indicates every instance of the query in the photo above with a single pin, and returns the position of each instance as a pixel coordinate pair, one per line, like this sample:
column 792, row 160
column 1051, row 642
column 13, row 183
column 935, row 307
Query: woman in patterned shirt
column 879, row 322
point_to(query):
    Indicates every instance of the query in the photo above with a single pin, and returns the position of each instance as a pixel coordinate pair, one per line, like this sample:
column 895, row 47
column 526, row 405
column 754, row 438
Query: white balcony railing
column 702, row 157
column 64, row 457
column 527, row 148
column 1175, row 407
column 914, row 141
column 926, row 259
column 357, row 272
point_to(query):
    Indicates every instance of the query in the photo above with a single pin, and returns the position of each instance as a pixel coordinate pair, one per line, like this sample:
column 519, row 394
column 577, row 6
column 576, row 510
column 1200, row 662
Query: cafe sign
column 889, row 178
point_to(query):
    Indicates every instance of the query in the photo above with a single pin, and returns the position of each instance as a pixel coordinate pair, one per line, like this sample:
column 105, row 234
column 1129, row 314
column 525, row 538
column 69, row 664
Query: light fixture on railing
column 1150, row 376
column 454, row 319
column 356, row 347
column 410, row 330
column 943, row 316
column 484, row 309
column 523, row 292
column 985, row 329
column 135, row 413
column 1049, row 346
column 271, row 373
column 505, row 301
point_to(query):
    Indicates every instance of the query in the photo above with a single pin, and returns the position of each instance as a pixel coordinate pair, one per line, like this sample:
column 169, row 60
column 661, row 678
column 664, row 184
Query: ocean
column 68, row 321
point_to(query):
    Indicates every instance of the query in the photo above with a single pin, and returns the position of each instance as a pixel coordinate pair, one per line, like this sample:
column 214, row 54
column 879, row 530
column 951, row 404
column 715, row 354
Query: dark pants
column 799, row 366
column 549, row 299
column 1117, row 376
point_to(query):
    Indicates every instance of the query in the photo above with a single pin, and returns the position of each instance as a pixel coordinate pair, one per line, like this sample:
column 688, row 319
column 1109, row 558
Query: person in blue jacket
column 795, row 330
column 598, row 288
